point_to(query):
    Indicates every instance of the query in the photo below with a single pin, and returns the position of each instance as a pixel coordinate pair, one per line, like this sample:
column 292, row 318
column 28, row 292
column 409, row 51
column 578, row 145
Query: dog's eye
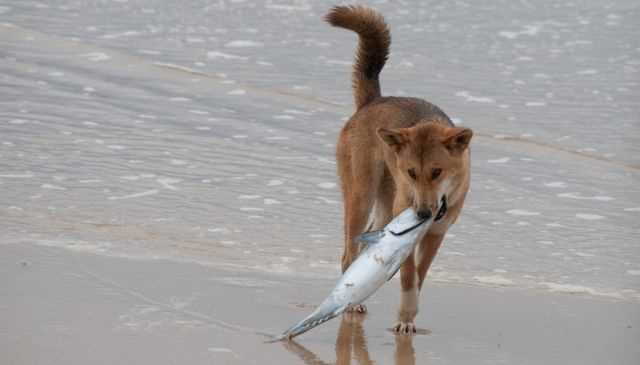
column 412, row 173
column 435, row 173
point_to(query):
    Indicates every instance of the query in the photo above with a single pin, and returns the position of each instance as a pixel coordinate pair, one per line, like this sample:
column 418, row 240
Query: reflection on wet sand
column 351, row 343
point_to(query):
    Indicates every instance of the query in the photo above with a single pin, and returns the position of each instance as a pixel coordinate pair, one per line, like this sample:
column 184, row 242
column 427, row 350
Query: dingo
column 394, row 153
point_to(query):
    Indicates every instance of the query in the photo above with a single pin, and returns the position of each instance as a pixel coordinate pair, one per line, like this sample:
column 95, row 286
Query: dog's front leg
column 408, row 297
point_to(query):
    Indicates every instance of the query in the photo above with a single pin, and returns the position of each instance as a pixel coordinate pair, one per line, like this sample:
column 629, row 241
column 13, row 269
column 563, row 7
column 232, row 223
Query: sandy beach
column 168, row 190
column 66, row 307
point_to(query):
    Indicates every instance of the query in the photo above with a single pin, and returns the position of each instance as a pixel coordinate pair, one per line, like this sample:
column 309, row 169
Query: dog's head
column 429, row 158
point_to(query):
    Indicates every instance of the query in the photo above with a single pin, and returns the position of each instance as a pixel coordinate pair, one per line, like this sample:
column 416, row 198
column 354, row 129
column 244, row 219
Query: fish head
column 407, row 222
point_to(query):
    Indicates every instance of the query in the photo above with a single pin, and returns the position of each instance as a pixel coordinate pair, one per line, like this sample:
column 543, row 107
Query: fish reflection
column 351, row 343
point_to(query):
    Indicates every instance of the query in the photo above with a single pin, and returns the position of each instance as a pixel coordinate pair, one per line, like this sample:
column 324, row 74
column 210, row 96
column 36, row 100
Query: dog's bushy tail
column 373, row 48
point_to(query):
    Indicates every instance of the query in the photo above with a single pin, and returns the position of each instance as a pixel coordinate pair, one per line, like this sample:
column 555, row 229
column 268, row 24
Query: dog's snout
column 424, row 213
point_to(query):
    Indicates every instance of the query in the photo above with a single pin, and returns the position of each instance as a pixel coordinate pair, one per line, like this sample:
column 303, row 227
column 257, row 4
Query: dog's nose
column 424, row 213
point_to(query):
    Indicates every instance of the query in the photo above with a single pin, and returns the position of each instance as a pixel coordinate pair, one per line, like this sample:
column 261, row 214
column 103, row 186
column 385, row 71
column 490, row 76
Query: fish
column 384, row 252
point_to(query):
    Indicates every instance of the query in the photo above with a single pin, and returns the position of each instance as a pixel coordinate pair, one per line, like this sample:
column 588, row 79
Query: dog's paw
column 405, row 328
column 358, row 308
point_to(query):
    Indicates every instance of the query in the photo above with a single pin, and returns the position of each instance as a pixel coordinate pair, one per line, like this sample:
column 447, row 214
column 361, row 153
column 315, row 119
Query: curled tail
column 373, row 48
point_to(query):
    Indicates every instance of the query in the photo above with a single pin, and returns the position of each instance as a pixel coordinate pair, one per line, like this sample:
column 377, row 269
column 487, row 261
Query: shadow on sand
column 351, row 343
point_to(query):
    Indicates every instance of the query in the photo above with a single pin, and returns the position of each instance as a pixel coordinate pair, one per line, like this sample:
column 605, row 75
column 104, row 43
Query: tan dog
column 394, row 153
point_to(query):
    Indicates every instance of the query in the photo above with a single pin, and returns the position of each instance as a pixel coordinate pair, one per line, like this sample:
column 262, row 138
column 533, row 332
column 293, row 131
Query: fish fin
column 394, row 273
column 370, row 238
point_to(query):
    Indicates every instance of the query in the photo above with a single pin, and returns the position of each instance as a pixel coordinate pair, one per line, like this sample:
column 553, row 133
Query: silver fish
column 382, row 257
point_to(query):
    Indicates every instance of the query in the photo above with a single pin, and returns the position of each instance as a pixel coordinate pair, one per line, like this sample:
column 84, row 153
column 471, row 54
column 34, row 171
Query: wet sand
column 168, row 190
column 64, row 307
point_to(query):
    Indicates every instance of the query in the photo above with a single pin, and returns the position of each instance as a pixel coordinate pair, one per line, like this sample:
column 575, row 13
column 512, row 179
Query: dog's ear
column 395, row 138
column 457, row 139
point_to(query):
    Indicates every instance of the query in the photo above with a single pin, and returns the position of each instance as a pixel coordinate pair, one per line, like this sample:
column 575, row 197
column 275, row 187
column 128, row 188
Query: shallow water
column 205, row 132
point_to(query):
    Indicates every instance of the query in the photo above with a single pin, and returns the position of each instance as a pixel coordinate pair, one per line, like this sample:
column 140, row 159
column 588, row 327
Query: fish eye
column 412, row 173
column 435, row 173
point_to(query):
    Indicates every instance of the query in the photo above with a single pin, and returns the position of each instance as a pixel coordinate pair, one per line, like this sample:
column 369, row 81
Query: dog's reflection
column 351, row 343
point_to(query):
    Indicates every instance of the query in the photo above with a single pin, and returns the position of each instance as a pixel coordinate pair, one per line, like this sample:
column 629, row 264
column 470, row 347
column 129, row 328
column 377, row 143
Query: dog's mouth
column 408, row 229
column 443, row 209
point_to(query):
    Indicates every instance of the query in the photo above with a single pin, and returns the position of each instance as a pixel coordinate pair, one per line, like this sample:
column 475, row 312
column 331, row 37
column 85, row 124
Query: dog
column 394, row 153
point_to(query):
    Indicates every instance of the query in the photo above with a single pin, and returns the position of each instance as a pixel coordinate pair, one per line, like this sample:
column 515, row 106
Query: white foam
column 135, row 195
column 521, row 212
column 96, row 56
column 530, row 30
column 556, row 184
column 535, row 103
column 17, row 176
column 296, row 111
column 212, row 55
column 327, row 201
column 554, row 225
column 584, row 254
column 248, row 197
column 578, row 289
column 179, row 99
column 508, row 34
column 237, row 92
column 128, row 33
column 149, row 52
column 455, row 253
column 283, row 117
column 327, row 185
column 338, row 62
column 167, row 182
column 499, row 160
column 589, row 217
column 52, row 187
column 130, row 177
column 587, row 72
column 271, row 201
column 574, row 195
column 476, row 99
column 177, row 162
column 297, row 7
column 275, row 182
column 493, row 280
column 251, row 209
column 633, row 209
column 243, row 44
column 633, row 272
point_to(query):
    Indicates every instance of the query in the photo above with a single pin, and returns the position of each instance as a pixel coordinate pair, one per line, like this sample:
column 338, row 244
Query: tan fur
column 383, row 144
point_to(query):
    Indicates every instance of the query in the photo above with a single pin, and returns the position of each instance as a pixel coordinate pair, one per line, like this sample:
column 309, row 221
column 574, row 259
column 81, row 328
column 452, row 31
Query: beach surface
column 168, row 189
column 64, row 307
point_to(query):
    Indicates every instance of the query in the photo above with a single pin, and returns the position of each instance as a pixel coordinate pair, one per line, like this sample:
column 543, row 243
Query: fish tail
column 318, row 317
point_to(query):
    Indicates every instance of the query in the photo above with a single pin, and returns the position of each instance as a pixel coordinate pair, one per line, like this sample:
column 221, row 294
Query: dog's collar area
column 443, row 209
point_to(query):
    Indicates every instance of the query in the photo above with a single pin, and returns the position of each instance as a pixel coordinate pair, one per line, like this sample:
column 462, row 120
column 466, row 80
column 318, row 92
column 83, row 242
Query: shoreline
column 76, row 308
